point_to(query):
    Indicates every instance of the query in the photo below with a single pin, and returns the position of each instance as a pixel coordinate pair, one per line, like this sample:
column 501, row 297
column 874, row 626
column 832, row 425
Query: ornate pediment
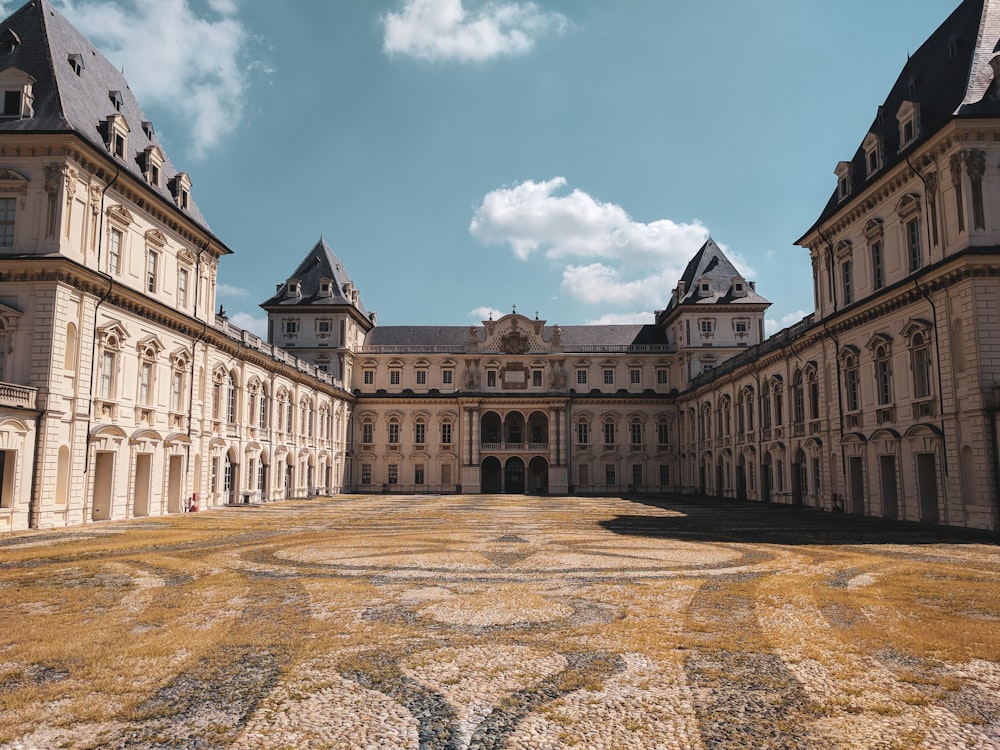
column 514, row 334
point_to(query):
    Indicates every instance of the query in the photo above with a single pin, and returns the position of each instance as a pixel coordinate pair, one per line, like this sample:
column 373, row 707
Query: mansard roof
column 574, row 338
column 320, row 264
column 948, row 77
column 711, row 264
column 52, row 51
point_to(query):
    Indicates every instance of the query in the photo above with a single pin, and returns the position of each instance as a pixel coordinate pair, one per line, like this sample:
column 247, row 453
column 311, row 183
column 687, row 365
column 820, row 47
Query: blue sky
column 564, row 156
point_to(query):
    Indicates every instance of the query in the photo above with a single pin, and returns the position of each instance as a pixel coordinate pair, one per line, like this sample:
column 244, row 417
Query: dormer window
column 873, row 153
column 180, row 186
column 908, row 118
column 843, row 172
column 147, row 128
column 293, row 289
column 952, row 46
column 153, row 162
column 17, row 94
column 117, row 135
column 739, row 288
column 326, row 288
column 9, row 41
column 76, row 63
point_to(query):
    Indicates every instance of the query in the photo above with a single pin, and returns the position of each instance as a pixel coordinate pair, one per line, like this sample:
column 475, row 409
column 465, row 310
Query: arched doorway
column 799, row 480
column 491, row 476
column 513, row 475
column 538, row 476
column 741, row 477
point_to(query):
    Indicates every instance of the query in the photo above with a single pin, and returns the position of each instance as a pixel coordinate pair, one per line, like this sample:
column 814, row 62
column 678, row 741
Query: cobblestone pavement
column 488, row 622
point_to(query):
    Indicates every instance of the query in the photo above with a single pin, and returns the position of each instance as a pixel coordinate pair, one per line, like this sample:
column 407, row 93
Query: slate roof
column 711, row 263
column 320, row 263
column 573, row 337
column 67, row 102
column 949, row 76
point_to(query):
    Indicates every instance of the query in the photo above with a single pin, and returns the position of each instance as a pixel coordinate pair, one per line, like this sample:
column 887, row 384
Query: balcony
column 513, row 447
column 17, row 396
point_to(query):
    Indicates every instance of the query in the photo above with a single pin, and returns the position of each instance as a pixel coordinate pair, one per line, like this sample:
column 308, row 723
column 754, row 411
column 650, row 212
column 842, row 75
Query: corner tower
column 318, row 314
column 713, row 313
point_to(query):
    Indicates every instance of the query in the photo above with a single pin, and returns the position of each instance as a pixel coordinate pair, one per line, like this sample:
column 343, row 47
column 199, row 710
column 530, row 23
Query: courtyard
column 447, row 622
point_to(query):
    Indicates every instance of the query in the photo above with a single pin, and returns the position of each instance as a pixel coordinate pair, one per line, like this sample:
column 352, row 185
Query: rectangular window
column 635, row 377
column 393, row 433
column 884, row 377
column 146, row 383
column 706, row 327
column 921, row 373
column 536, row 378
column 367, row 433
column 913, row 243
column 609, row 433
column 421, row 377
column 394, row 376
column 661, row 377
column 662, row 433
column 115, row 252
column 491, row 378
column 446, row 433
column 609, row 474
column 635, row 433
column 152, row 261
column 118, row 145
column 419, row 431
column 878, row 272
column 366, row 473
column 291, row 327
column 581, row 377
column 182, row 287
column 393, row 474
column 609, row 377
column 664, row 475
column 262, row 415
column 323, row 326
column 418, row 474
column 853, row 400
column 369, row 377
column 583, row 433
column 447, row 376
column 177, row 392
column 741, row 327
column 848, row 282
column 8, row 209
column 108, row 362
column 11, row 103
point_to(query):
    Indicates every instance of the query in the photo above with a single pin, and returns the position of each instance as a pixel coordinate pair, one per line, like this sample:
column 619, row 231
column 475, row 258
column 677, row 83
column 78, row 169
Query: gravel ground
column 481, row 623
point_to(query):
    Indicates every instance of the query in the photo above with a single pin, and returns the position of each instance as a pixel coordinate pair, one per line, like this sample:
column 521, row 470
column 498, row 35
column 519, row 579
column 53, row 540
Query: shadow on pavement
column 697, row 518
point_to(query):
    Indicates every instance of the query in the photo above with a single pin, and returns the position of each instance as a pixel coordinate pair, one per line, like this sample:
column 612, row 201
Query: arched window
column 883, row 375
column 920, row 354
column 852, row 383
column 231, row 399
column 798, row 399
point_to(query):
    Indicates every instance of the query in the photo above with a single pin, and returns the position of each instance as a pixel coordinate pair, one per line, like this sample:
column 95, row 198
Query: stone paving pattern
column 488, row 622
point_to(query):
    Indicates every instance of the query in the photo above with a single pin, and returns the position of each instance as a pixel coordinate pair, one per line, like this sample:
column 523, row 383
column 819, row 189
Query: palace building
column 123, row 394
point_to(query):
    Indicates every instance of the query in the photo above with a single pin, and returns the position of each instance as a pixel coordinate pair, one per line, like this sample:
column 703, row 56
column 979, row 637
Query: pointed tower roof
column 710, row 265
column 949, row 76
column 76, row 89
column 305, row 287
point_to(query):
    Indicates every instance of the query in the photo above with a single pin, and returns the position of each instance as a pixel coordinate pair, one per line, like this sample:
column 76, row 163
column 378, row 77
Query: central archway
column 513, row 475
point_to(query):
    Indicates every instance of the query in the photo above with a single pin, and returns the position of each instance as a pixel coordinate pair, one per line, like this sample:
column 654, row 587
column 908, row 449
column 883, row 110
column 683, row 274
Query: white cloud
column 227, row 290
column 248, row 322
column 446, row 30
column 622, row 319
column 195, row 63
column 486, row 313
column 631, row 263
column 771, row 327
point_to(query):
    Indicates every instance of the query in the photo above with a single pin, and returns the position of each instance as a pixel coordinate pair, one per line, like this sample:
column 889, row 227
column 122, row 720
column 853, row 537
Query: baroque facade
column 124, row 394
